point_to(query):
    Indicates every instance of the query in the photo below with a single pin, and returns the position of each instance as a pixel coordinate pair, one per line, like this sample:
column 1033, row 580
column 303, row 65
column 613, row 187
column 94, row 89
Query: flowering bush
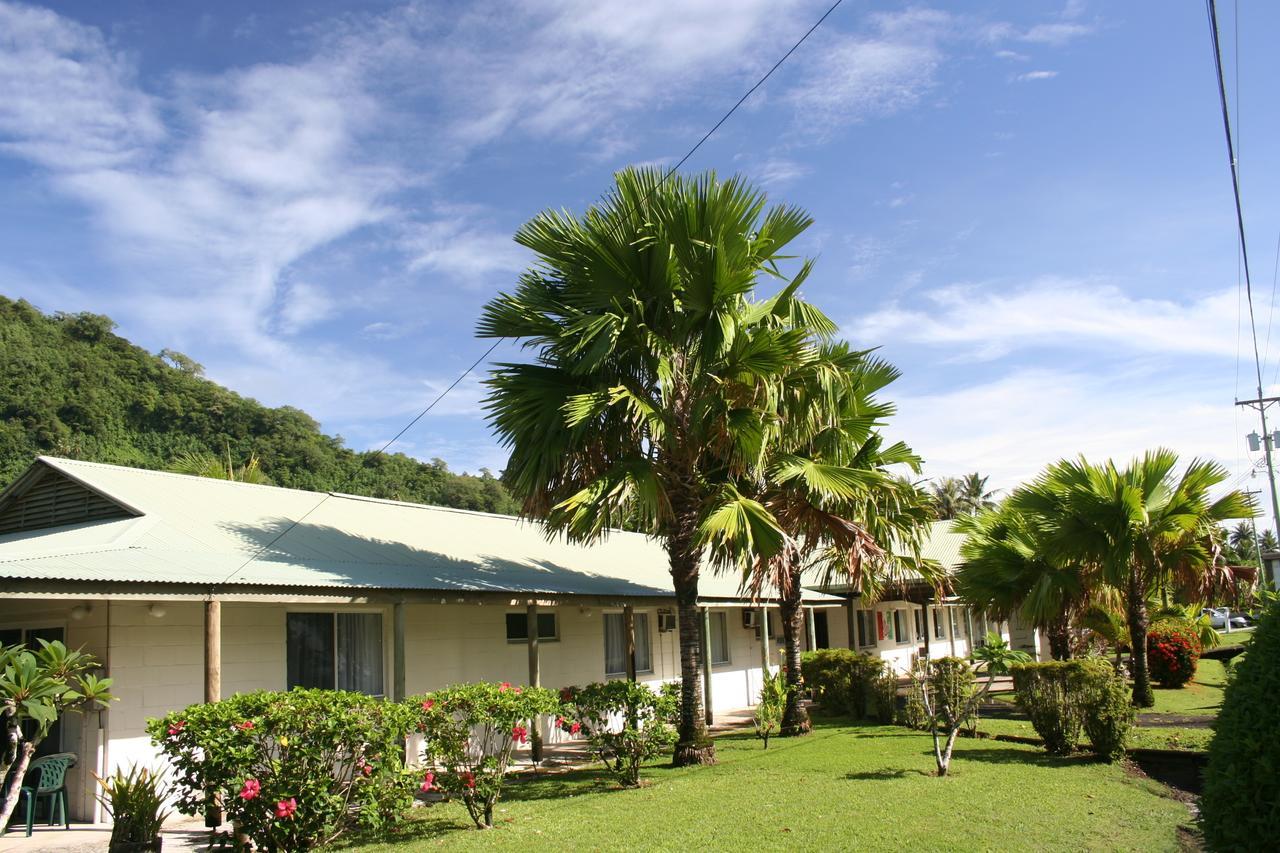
column 293, row 770
column 1172, row 652
column 625, row 723
column 471, row 731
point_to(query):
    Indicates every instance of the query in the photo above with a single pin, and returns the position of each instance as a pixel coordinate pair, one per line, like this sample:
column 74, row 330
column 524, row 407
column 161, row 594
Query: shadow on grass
column 1014, row 755
column 886, row 773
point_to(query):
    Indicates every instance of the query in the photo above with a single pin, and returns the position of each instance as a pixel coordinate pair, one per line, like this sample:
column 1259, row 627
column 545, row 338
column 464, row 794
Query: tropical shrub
column 884, row 695
column 1109, row 714
column 771, row 705
column 913, row 713
column 294, row 770
column 36, row 689
column 625, row 723
column 842, row 681
column 1239, row 804
column 1173, row 648
column 995, row 656
column 946, row 690
column 1051, row 693
column 471, row 732
column 136, row 803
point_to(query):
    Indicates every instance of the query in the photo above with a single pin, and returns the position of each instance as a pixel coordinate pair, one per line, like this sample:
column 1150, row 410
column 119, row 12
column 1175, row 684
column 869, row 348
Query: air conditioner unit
column 751, row 619
column 666, row 621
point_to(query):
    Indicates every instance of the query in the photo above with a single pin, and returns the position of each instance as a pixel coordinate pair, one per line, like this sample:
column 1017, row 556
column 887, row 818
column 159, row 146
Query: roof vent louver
column 54, row 500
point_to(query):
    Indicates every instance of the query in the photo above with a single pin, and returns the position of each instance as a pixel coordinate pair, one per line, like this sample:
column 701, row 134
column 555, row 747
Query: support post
column 212, row 688
column 852, row 614
column 397, row 652
column 812, row 629
column 535, row 680
column 629, row 629
column 706, row 666
column 951, row 627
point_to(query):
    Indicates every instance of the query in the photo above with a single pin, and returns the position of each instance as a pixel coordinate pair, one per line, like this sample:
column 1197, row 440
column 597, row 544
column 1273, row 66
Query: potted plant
column 135, row 801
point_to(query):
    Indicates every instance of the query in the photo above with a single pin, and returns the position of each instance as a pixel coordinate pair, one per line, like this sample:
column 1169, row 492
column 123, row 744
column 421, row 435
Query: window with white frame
column 340, row 651
column 719, row 639
column 615, row 643
column 900, row 626
column 866, row 628
column 939, row 630
column 918, row 615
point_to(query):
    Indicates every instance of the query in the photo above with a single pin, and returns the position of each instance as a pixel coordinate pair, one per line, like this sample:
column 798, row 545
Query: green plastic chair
column 50, row 776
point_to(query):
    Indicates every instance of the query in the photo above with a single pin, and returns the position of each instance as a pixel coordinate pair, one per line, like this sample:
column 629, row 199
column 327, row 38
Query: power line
column 494, row 346
column 1261, row 403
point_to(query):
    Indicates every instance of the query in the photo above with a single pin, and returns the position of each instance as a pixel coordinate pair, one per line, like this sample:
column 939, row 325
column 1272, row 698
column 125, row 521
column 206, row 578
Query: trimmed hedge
column 1240, row 807
column 845, row 682
column 1063, row 698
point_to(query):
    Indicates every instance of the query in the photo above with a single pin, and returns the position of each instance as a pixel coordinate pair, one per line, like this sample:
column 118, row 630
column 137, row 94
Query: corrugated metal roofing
column 200, row 531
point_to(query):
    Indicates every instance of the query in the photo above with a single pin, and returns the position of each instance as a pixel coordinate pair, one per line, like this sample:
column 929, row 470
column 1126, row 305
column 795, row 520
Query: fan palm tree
column 204, row 464
column 842, row 511
column 947, row 495
column 1138, row 524
column 1006, row 571
column 658, row 379
column 974, row 495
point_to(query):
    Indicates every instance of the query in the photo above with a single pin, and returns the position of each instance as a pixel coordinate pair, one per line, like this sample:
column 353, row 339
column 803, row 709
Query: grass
column 1201, row 697
column 1143, row 737
column 842, row 786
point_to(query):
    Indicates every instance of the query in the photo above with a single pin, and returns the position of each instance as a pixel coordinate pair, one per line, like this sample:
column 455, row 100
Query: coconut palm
column 1006, row 571
column 974, row 495
column 1267, row 541
column 1137, row 524
column 947, row 496
column 657, row 380
column 844, row 514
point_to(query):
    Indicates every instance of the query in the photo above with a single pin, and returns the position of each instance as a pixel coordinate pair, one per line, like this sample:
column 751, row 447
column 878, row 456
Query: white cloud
column 981, row 322
column 1012, row 426
column 461, row 250
column 778, row 171
column 1012, row 55
column 1036, row 75
column 853, row 77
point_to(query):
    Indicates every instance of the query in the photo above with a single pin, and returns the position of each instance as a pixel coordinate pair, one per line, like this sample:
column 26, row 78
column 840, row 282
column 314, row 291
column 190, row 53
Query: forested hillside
column 71, row 387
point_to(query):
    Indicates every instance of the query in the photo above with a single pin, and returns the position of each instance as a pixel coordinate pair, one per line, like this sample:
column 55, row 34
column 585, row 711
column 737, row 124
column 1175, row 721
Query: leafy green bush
column 1173, row 648
column 626, row 723
column 947, row 692
column 913, row 714
column 1051, row 695
column 884, row 693
column 1063, row 698
column 471, row 731
column 136, row 803
column 1109, row 714
column 1240, row 807
column 843, row 681
column 771, row 705
column 294, row 770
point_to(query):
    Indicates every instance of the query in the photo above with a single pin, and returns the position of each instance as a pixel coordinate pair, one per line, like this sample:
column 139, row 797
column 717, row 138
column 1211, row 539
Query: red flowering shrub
column 471, row 731
column 1172, row 652
column 625, row 723
column 294, row 770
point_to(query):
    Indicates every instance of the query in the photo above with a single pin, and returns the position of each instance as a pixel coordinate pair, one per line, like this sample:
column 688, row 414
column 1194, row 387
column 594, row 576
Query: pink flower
column 247, row 725
column 504, row 687
column 428, row 781
column 367, row 769
column 559, row 722
column 177, row 727
column 251, row 789
column 428, row 704
column 286, row 808
column 518, row 689
column 468, row 778
column 575, row 728
column 520, row 734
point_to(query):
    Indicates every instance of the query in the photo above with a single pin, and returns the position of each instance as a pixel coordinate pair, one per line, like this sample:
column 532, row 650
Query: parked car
column 1218, row 617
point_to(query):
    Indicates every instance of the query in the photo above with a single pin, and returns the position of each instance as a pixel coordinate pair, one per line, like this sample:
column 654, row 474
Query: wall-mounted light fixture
column 80, row 611
column 157, row 610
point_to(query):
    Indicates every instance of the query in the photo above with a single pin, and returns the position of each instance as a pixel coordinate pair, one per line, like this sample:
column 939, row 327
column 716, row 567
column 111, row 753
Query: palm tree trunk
column 795, row 719
column 694, row 746
column 1143, row 697
column 1059, row 632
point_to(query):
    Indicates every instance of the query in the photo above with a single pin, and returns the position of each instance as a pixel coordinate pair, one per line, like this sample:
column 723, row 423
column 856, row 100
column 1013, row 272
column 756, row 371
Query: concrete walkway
column 182, row 835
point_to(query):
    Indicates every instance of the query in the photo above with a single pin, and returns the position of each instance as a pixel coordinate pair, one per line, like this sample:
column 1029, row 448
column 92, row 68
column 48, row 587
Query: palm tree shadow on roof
column 340, row 558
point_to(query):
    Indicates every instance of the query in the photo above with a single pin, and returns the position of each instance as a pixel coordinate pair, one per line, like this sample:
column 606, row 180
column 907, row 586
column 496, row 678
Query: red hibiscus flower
column 428, row 781
column 250, row 790
column 286, row 808
column 177, row 727
column 575, row 728
column 428, row 704
column 468, row 779
column 247, row 725
column 520, row 734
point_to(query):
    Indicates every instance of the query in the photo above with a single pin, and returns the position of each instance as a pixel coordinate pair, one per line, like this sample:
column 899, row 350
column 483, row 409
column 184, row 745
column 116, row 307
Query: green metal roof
column 200, row 531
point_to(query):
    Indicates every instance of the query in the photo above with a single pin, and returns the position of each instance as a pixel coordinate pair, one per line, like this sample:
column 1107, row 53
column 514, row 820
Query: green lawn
column 840, row 787
column 1151, row 737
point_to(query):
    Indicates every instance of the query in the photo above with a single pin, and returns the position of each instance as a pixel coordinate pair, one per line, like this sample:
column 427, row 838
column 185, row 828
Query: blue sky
column 1025, row 204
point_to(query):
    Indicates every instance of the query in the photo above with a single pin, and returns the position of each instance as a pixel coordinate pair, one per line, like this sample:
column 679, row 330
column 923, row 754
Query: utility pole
column 1261, row 404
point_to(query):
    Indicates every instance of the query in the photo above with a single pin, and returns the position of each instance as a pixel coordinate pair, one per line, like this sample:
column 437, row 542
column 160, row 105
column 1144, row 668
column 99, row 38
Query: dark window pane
column 821, row 633
column 310, row 650
column 360, row 652
column 518, row 626
column 10, row 636
column 546, row 626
